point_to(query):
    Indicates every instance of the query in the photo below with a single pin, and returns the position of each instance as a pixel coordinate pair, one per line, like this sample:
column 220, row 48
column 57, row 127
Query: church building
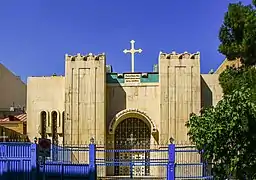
column 91, row 101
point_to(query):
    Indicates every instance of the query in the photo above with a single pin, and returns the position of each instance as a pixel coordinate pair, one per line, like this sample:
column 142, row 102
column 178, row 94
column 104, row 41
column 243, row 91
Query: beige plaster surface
column 90, row 104
column 12, row 90
column 94, row 108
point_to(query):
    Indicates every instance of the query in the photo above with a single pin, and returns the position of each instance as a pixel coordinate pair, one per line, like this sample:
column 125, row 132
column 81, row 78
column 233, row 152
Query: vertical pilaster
column 85, row 98
column 179, row 93
column 164, row 98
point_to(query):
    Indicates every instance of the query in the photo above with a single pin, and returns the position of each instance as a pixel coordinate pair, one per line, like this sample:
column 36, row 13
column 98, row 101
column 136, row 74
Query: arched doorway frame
column 132, row 133
column 114, row 124
column 128, row 113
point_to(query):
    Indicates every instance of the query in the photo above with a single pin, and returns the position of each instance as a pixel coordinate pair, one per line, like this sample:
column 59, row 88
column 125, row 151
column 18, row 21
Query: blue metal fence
column 58, row 170
column 17, row 160
column 189, row 164
column 21, row 161
column 181, row 162
column 151, row 163
column 172, row 162
column 62, row 164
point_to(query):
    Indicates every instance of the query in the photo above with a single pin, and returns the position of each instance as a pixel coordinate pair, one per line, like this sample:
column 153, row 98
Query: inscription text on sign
column 132, row 81
column 132, row 78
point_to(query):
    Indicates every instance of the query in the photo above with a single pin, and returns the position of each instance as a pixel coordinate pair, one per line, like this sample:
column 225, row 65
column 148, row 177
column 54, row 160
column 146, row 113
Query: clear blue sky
column 36, row 34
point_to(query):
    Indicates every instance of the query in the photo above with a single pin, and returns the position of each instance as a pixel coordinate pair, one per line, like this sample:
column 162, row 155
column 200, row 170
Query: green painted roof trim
column 151, row 78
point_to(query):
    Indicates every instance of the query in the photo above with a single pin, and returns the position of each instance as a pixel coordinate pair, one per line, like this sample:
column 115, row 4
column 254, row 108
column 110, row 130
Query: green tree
column 227, row 134
column 235, row 78
column 238, row 41
column 238, row 33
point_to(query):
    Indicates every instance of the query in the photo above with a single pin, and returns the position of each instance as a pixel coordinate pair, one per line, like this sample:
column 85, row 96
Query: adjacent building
column 13, row 92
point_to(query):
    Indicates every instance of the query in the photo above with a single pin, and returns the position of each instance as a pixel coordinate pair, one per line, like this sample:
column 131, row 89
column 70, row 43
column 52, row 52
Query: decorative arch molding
column 128, row 113
column 41, row 111
column 55, row 110
column 47, row 115
column 42, row 126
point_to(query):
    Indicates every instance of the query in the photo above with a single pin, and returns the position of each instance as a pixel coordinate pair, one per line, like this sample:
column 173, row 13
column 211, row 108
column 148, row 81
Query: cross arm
column 139, row 50
column 126, row 51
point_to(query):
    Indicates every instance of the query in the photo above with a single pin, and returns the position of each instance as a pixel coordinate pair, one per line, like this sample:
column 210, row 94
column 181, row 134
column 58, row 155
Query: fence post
column 203, row 163
column 171, row 162
column 92, row 160
column 33, row 150
column 2, row 155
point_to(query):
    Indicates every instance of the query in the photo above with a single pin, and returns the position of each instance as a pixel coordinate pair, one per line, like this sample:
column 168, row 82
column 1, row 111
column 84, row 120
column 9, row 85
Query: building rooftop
column 20, row 117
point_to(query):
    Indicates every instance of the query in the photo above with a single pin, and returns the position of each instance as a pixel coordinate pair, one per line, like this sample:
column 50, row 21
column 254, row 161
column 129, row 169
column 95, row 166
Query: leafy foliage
column 227, row 134
column 235, row 78
column 238, row 33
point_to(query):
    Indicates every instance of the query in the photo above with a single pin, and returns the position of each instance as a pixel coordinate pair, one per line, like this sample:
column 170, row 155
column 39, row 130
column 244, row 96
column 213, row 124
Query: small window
column 54, row 119
column 43, row 124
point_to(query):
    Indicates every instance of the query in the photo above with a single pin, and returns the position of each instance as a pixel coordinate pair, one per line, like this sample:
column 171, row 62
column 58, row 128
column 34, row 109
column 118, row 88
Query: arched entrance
column 133, row 134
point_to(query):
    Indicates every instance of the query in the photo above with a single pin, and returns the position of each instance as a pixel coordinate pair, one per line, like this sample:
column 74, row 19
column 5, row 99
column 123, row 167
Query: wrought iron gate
column 131, row 154
column 143, row 164
column 132, row 134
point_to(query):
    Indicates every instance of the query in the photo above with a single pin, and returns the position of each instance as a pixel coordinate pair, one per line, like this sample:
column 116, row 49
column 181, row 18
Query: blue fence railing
column 173, row 162
column 21, row 160
column 17, row 160
column 189, row 164
column 131, row 163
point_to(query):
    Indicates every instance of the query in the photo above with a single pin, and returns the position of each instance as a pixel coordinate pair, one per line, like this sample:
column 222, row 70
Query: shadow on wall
column 206, row 95
column 116, row 99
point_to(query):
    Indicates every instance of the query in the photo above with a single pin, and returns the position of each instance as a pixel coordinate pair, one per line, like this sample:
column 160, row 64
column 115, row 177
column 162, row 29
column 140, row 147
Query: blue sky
column 35, row 35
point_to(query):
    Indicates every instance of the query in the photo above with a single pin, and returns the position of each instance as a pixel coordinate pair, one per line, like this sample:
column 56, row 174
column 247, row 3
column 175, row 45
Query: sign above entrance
column 132, row 78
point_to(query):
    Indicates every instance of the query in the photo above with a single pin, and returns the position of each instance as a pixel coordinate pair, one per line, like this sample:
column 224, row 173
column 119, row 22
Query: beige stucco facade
column 93, row 105
column 45, row 94
column 12, row 91
column 92, row 102
column 228, row 63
